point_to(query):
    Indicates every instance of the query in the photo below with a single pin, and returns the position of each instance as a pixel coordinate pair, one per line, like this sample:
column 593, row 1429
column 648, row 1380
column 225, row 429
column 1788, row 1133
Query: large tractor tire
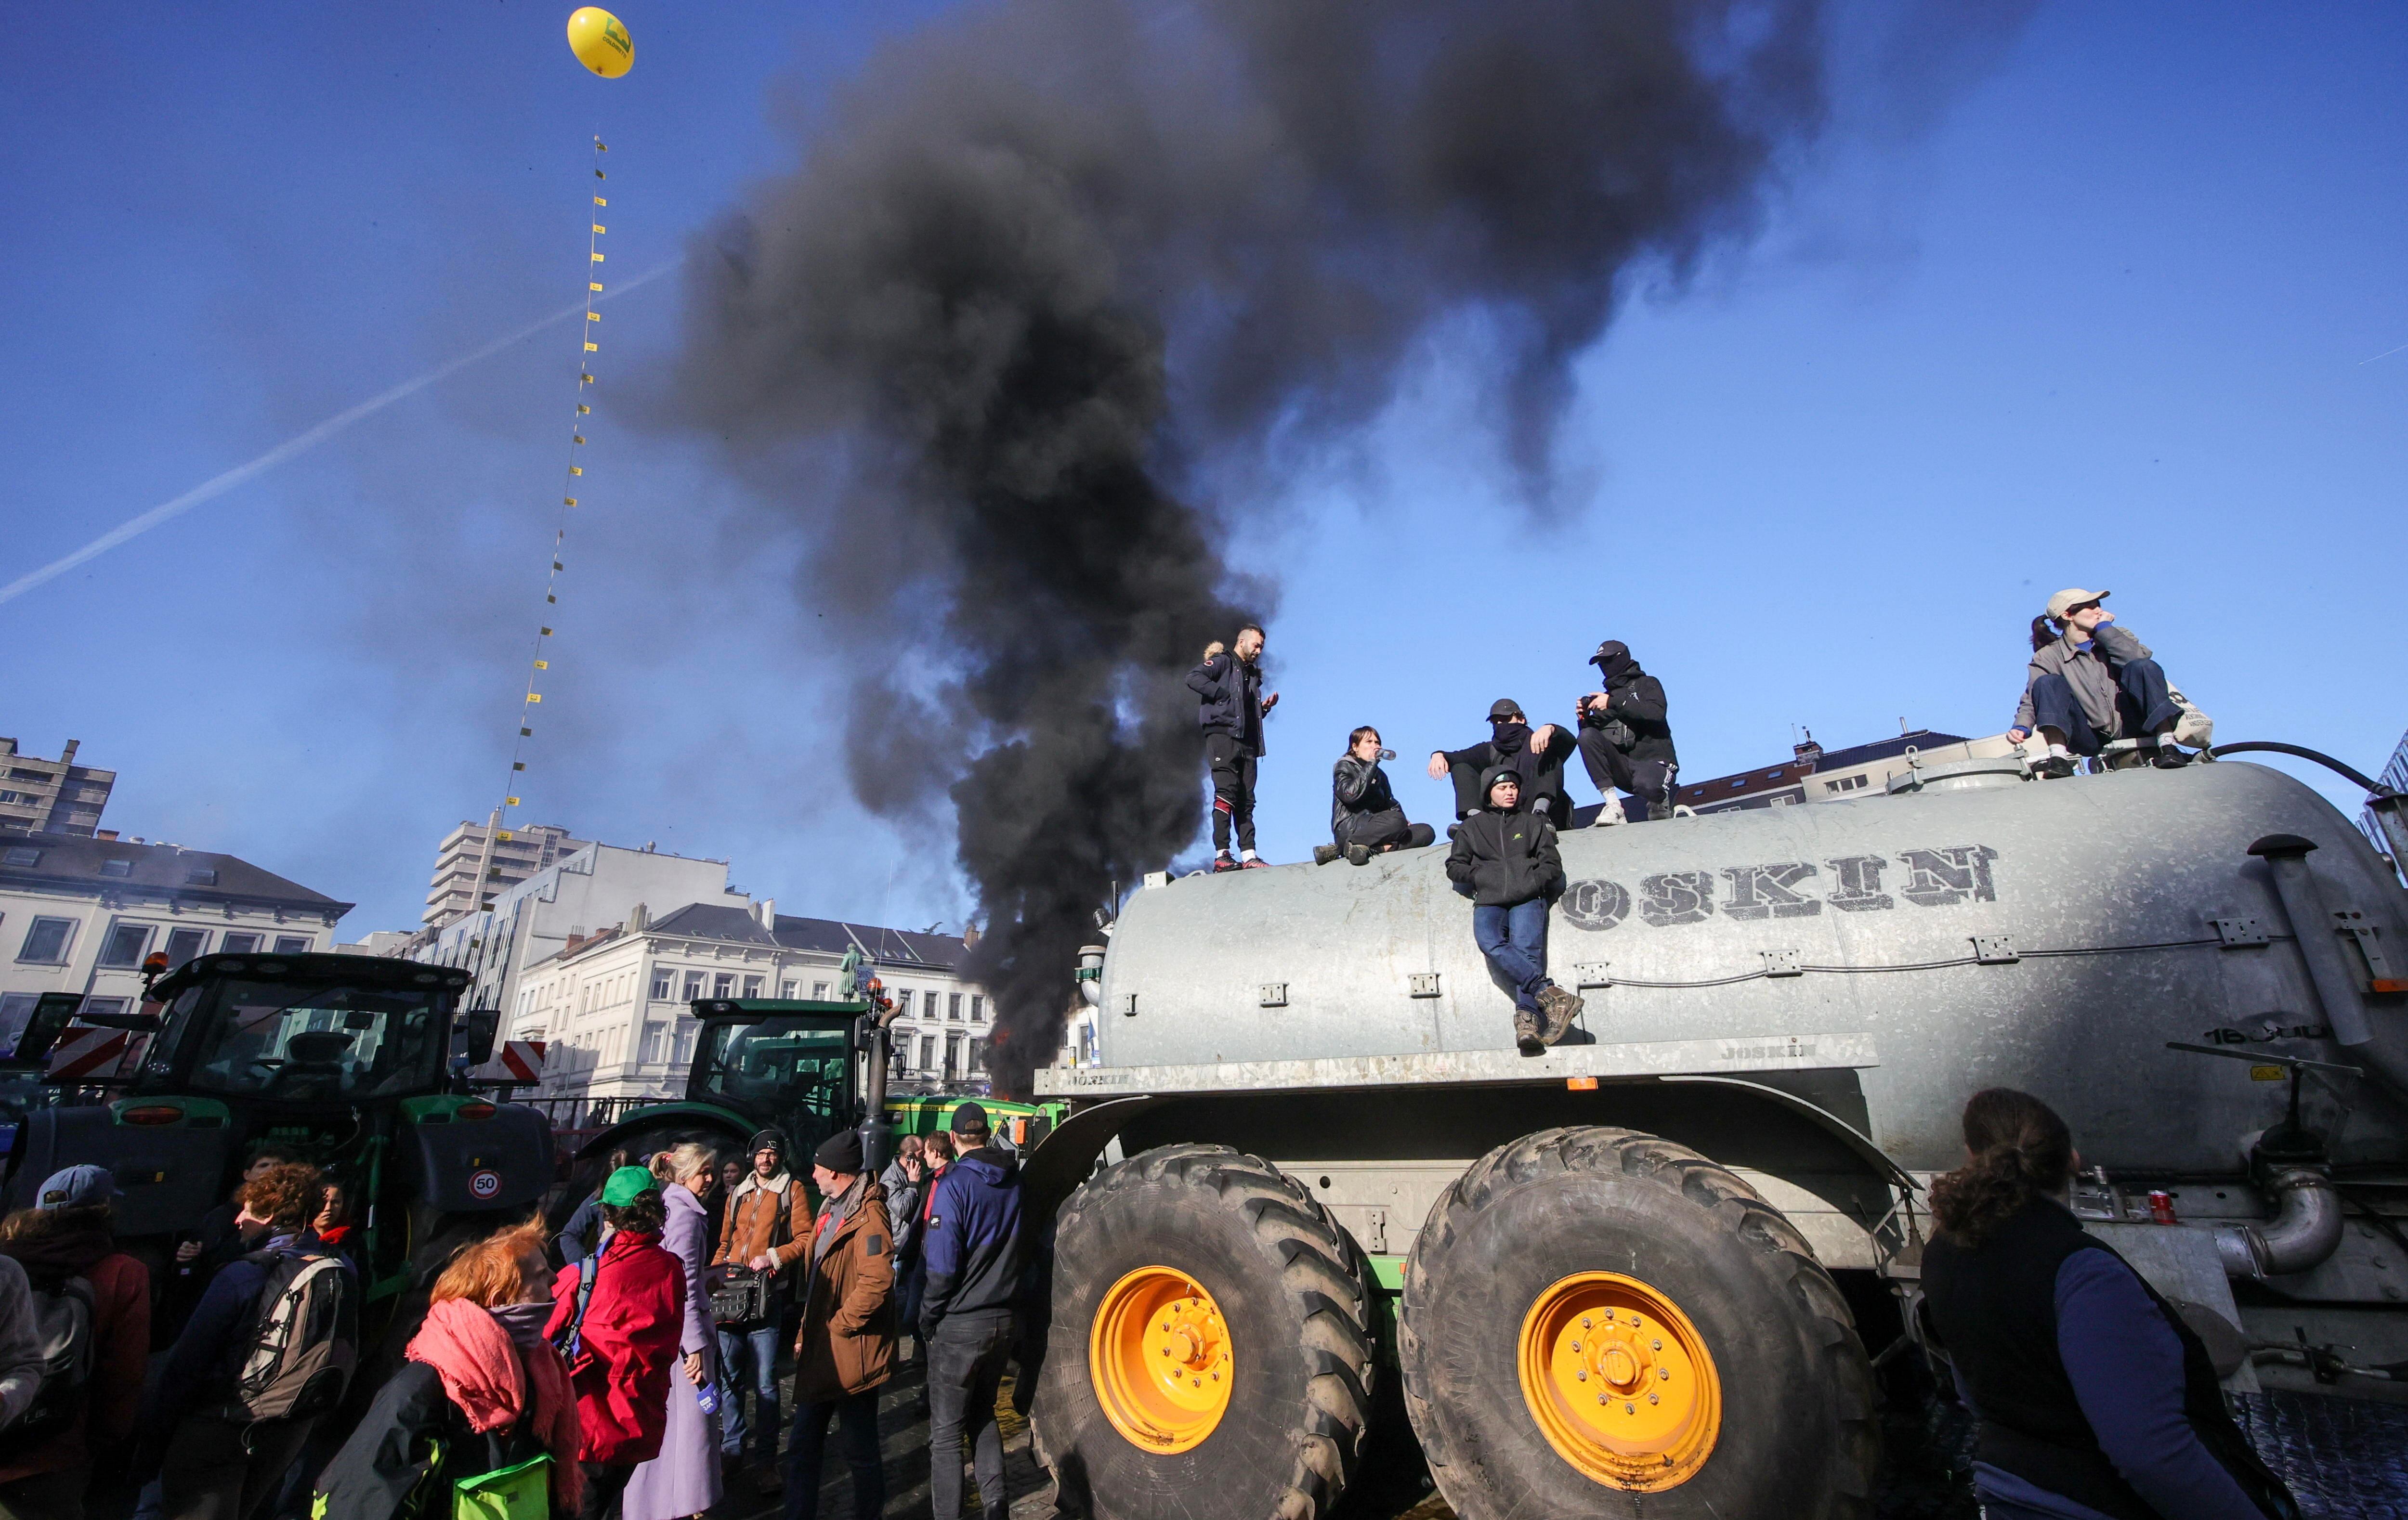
column 1598, row 1322
column 1210, row 1356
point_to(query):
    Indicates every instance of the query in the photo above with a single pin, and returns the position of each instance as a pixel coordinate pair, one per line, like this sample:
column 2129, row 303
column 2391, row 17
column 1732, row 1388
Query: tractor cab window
column 279, row 1039
column 780, row 1067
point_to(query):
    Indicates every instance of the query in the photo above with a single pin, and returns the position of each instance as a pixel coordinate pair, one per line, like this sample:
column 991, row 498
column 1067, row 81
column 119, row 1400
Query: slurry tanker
column 1637, row 1273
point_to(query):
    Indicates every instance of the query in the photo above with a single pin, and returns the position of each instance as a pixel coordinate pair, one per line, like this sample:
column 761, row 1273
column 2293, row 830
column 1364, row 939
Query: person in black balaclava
column 1625, row 738
column 1535, row 755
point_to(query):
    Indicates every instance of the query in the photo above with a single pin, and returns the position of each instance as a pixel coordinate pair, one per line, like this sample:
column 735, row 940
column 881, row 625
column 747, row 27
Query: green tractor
column 803, row 1067
column 355, row 1063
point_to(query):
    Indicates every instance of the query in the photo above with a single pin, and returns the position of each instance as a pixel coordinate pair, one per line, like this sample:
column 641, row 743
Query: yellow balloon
column 600, row 42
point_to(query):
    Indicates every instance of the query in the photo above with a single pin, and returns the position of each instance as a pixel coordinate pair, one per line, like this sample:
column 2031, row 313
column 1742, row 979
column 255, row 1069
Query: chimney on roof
column 104, row 833
column 970, row 936
column 767, row 911
column 68, row 757
column 1809, row 752
column 637, row 917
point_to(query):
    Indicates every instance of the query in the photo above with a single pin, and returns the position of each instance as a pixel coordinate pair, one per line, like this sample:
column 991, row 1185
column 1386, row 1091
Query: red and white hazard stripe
column 82, row 1052
column 523, row 1060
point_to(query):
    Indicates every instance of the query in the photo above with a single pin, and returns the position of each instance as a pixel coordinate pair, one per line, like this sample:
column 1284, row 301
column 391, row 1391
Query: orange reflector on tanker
column 473, row 1111
column 1581, row 1084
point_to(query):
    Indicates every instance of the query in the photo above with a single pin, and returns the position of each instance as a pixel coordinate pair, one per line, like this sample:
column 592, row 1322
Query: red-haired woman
column 482, row 1389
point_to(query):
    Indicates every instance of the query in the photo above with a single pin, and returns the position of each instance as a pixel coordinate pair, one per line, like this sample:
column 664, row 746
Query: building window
column 656, row 1037
column 119, row 868
column 183, row 944
column 126, row 944
column 16, row 1012
column 723, row 985
column 292, row 944
column 21, row 799
column 20, row 855
column 101, row 1006
column 952, row 1054
column 977, row 1009
column 664, row 985
column 752, row 986
column 231, row 943
column 819, row 991
column 787, row 991
column 927, row 1052
column 953, row 1008
column 46, row 940
column 201, row 876
column 692, row 986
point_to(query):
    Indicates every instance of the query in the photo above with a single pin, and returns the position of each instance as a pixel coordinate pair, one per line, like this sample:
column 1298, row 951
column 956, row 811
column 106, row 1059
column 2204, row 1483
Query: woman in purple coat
column 684, row 1479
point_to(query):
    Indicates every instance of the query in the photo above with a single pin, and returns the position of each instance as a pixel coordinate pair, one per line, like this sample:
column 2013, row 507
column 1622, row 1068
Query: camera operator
column 1625, row 738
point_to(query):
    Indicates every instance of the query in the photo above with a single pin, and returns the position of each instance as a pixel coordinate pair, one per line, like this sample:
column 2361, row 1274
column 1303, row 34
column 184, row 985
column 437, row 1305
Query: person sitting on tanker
column 1535, row 755
column 1364, row 814
column 1626, row 741
column 2090, row 683
column 1229, row 684
column 1505, row 859
column 2094, row 1397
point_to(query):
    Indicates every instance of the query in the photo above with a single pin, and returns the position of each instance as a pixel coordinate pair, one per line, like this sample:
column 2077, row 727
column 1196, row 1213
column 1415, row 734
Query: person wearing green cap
column 619, row 1317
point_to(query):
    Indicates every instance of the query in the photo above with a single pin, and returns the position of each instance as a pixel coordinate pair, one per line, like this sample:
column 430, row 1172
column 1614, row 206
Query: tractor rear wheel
column 1597, row 1322
column 1210, row 1355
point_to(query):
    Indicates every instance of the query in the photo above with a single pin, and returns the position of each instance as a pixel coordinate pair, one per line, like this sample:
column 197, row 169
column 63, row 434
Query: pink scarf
column 486, row 1375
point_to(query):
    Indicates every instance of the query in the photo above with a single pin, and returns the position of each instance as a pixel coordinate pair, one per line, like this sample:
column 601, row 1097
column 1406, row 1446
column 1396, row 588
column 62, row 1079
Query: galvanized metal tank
column 1974, row 927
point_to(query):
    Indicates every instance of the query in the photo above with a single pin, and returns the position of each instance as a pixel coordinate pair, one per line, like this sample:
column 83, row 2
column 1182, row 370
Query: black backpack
column 63, row 1336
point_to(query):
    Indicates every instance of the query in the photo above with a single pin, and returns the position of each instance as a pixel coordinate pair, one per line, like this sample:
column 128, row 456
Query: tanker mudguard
column 168, row 1177
column 504, row 1162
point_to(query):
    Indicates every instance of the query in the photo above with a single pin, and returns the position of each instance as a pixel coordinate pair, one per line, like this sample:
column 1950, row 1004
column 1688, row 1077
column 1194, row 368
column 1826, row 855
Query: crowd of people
column 605, row 1374
column 2091, row 690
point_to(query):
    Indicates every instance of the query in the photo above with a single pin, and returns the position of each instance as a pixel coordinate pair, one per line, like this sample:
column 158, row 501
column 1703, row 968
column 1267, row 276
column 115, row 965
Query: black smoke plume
column 1040, row 258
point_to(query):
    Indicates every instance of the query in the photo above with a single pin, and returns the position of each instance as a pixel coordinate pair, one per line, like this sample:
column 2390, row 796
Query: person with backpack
column 481, row 1393
column 620, row 1319
column 685, row 1478
column 92, row 1306
column 268, row 1350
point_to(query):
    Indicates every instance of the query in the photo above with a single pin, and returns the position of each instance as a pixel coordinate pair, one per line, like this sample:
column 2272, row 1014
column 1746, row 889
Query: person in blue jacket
column 974, row 1251
column 2095, row 1398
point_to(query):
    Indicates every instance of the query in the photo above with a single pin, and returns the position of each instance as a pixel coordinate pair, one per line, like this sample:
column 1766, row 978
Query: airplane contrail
column 301, row 443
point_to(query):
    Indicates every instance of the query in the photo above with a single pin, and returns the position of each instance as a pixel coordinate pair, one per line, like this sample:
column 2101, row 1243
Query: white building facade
column 79, row 914
column 613, row 1006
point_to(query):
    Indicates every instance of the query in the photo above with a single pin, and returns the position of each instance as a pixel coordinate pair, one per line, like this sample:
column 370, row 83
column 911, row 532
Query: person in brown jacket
column 846, row 1346
column 760, row 1228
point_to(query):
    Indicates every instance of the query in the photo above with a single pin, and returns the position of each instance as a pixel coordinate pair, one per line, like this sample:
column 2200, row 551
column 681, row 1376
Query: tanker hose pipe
column 1091, row 974
column 2336, row 986
column 2304, row 1231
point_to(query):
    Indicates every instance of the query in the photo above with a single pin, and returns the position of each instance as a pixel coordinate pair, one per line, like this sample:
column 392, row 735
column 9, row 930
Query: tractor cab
column 300, row 1032
column 787, row 1064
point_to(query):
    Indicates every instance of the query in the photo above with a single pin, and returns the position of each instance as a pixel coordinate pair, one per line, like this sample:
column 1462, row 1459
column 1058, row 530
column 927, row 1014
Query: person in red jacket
column 68, row 1233
column 622, row 1339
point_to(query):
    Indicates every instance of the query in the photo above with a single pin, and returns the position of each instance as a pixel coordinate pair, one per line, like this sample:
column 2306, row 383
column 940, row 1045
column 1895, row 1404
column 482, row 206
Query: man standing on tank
column 1505, row 859
column 1229, row 684
column 2090, row 685
column 1625, row 738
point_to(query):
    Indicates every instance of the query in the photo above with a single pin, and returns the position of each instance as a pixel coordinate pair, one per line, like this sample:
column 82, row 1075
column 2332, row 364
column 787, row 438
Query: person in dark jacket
column 69, row 1232
column 481, row 1390
column 1535, row 755
column 215, row 1466
column 1505, row 860
column 1626, row 739
column 1364, row 814
column 1230, row 685
column 582, row 1235
column 2094, row 1397
column 2091, row 682
column 973, row 1249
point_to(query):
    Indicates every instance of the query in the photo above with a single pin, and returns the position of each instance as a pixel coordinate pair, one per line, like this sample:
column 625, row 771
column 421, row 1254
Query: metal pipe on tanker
column 2305, row 1230
column 2312, row 929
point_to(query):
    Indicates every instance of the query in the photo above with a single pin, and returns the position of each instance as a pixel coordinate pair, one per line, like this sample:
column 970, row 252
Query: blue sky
column 2106, row 311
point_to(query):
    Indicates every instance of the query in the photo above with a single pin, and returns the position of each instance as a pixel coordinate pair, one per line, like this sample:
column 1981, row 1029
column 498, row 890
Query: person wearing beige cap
column 2090, row 681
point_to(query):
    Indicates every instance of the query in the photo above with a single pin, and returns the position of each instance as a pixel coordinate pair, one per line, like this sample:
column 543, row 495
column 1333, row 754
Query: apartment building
column 613, row 1005
column 519, row 854
column 1815, row 774
column 51, row 796
column 81, row 913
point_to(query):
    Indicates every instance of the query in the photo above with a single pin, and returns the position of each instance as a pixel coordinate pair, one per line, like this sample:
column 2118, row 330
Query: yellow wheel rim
column 1619, row 1381
column 1159, row 1355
